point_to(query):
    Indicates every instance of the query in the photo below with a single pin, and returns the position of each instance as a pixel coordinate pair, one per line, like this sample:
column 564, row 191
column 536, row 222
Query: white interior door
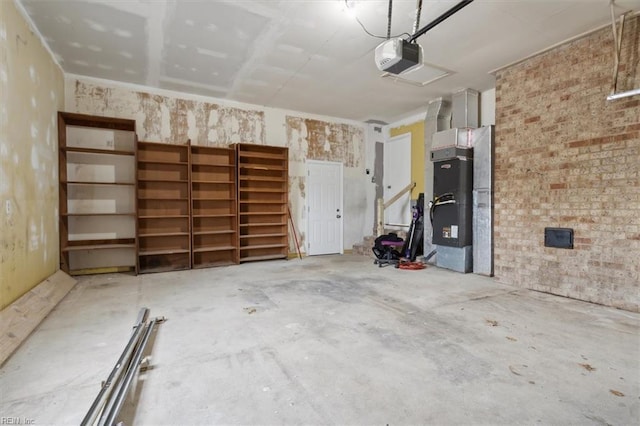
column 324, row 207
column 397, row 175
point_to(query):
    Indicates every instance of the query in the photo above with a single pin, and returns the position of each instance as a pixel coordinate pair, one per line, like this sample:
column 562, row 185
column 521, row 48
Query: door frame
column 308, row 208
column 401, row 136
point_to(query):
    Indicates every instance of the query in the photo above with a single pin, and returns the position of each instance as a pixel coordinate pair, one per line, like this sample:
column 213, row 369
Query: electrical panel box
column 558, row 237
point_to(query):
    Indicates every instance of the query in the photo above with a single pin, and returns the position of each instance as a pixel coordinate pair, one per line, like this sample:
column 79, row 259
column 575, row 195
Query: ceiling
column 303, row 55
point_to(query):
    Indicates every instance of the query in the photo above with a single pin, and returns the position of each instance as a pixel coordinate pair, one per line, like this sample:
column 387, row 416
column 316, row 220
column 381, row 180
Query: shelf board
column 162, row 199
column 245, row 189
column 164, row 180
column 260, row 202
column 163, row 269
column 171, row 216
column 212, row 165
column 213, row 215
column 96, row 151
column 262, row 179
column 226, row 231
column 217, row 182
column 174, row 163
column 248, row 154
column 265, row 257
column 261, row 213
column 263, row 235
column 218, row 248
column 211, row 199
column 166, row 251
column 247, row 225
column 164, row 234
column 98, row 247
column 77, row 182
column 258, row 167
column 97, row 214
column 212, row 264
column 263, row 246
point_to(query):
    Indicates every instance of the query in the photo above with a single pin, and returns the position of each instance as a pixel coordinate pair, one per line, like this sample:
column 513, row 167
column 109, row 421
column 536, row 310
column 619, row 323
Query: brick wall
column 566, row 157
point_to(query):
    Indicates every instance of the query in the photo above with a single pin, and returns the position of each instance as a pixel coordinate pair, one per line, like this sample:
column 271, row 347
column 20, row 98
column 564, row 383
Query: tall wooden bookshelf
column 164, row 235
column 262, row 201
column 97, row 163
column 214, row 220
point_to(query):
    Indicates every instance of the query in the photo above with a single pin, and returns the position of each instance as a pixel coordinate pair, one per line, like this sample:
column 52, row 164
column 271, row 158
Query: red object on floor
column 414, row 266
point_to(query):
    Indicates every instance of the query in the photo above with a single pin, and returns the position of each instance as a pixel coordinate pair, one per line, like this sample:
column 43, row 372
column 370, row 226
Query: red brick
column 579, row 168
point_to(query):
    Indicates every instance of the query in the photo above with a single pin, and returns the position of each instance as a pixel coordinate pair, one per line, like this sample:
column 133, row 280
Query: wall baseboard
column 19, row 319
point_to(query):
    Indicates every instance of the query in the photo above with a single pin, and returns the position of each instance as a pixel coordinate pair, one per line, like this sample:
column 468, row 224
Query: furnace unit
column 453, row 202
column 452, row 205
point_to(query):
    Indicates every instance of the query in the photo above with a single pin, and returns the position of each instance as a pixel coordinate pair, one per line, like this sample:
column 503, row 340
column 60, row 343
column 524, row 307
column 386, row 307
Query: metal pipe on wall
column 621, row 95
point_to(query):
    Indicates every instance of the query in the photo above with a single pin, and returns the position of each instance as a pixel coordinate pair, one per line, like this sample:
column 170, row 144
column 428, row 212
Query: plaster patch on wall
column 171, row 119
column 34, row 241
column 192, row 130
column 34, row 131
column 301, row 187
column 35, row 163
column 325, row 141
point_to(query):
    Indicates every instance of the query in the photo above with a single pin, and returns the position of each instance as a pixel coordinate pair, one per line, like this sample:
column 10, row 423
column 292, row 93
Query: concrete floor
column 332, row 340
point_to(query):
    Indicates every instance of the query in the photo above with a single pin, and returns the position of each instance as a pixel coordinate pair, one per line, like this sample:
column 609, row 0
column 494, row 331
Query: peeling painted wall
column 325, row 141
column 172, row 117
column 312, row 139
column 32, row 91
column 169, row 119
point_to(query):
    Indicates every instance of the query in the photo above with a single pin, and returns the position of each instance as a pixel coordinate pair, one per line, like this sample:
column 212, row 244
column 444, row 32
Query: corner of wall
column 32, row 85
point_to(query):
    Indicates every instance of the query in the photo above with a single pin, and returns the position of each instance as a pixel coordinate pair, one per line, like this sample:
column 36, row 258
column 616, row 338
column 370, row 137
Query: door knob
column 338, row 216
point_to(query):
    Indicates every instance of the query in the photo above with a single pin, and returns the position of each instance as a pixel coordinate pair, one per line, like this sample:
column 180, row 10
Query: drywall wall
column 417, row 152
column 32, row 91
column 567, row 157
column 171, row 117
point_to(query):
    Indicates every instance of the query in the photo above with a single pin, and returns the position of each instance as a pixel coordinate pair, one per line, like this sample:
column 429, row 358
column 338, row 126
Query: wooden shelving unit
column 214, row 220
column 97, row 207
column 262, row 175
column 164, row 242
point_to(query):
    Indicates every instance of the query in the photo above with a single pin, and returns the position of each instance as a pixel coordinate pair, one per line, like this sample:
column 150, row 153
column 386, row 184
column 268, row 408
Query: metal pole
column 439, row 19
column 108, row 418
column 380, row 225
column 389, row 19
column 623, row 94
column 116, row 372
column 416, row 24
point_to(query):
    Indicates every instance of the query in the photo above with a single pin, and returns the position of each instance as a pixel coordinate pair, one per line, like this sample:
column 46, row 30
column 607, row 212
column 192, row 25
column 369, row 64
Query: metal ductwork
column 437, row 119
column 465, row 109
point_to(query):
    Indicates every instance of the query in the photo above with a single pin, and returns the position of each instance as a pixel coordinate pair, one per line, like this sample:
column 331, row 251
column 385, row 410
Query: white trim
column 38, row 34
column 412, row 119
column 341, row 202
column 405, row 135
